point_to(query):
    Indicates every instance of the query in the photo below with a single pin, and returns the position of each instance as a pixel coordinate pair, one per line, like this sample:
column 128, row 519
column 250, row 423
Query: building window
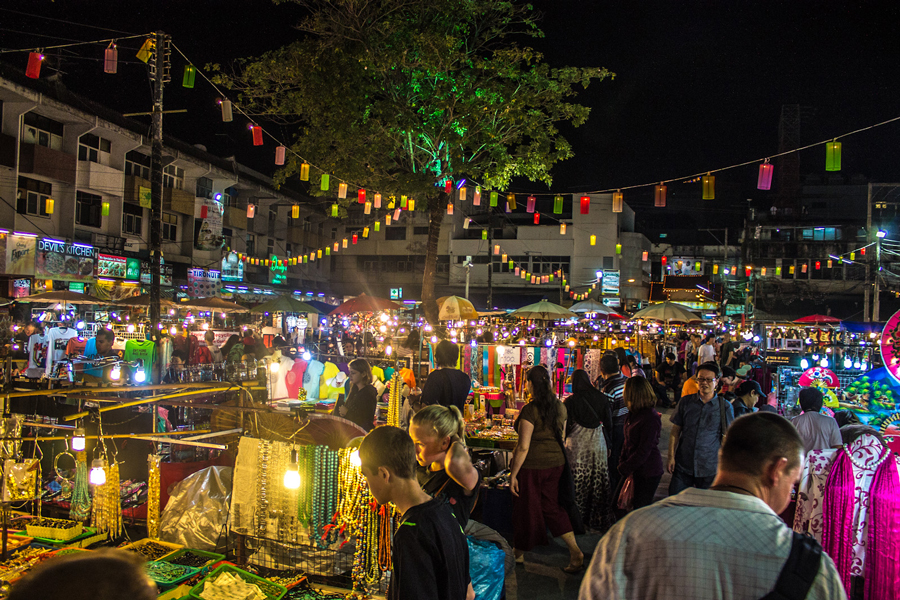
column 173, row 177
column 92, row 148
column 395, row 233
column 137, row 164
column 229, row 197
column 31, row 197
column 132, row 219
column 226, row 237
column 287, row 250
column 88, row 209
column 420, row 230
column 307, row 224
column 170, row 227
column 251, row 244
column 204, row 188
column 273, row 213
column 270, row 247
column 42, row 131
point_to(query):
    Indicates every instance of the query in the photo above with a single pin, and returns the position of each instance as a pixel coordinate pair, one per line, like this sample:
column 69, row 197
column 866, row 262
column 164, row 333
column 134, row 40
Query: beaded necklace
column 882, row 457
column 394, row 401
column 262, row 487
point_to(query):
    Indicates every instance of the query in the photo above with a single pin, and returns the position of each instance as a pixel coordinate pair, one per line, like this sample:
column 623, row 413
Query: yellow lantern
column 593, row 240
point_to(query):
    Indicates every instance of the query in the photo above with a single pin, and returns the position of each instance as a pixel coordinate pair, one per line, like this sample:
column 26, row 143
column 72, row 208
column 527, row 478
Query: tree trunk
column 435, row 219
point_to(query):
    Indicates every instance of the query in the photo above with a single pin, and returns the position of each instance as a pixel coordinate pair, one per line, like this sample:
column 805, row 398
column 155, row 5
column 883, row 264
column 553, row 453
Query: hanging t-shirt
column 144, row 350
column 293, row 379
column 37, row 355
column 166, row 347
column 57, row 341
column 279, row 379
column 311, row 379
column 76, row 346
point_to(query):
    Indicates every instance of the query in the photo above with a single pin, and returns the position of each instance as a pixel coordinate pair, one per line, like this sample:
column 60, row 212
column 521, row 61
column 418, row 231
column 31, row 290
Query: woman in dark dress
column 587, row 441
column 641, row 458
column 362, row 400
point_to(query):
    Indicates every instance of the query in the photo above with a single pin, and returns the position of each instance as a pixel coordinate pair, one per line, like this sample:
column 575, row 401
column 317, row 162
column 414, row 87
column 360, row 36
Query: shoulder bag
column 566, row 493
column 799, row 570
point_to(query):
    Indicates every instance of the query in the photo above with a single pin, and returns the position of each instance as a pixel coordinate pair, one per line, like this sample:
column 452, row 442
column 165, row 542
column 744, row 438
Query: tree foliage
column 397, row 96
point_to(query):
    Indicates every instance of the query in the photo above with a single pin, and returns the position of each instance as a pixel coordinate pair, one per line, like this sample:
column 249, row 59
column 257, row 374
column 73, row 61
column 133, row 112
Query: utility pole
column 159, row 70
column 868, row 241
column 490, row 281
column 876, row 309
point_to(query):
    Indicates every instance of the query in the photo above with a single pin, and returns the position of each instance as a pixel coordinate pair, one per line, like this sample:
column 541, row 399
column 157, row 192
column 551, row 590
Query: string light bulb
column 78, row 439
column 98, row 474
column 292, row 475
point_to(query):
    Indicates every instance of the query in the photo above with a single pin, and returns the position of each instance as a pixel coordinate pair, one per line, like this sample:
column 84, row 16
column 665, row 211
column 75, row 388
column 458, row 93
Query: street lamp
column 881, row 233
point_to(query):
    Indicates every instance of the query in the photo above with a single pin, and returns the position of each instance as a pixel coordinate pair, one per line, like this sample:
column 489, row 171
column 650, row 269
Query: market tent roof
column 323, row 307
column 592, row 306
column 214, row 304
column 818, row 320
column 284, row 303
column 63, row 296
column 669, row 312
column 365, row 303
column 144, row 301
column 543, row 310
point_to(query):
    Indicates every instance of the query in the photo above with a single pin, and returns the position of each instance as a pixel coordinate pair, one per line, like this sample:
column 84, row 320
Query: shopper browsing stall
column 362, row 400
column 446, row 385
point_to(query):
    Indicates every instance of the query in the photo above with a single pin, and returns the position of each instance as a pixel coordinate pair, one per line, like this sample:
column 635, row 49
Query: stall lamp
column 848, row 363
column 857, row 365
column 98, row 475
column 130, row 328
column 172, row 330
column 79, row 325
column 307, row 356
column 549, row 343
column 804, row 364
column 355, row 460
column 292, row 475
column 881, row 233
column 434, row 339
column 78, row 439
column 824, row 363
column 388, row 350
column 115, row 374
column 140, row 376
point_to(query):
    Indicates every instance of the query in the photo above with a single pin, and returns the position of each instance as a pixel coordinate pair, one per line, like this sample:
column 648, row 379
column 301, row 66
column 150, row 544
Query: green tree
column 397, row 96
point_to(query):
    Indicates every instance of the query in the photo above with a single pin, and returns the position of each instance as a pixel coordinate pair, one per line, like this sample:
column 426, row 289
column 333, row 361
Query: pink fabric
column 837, row 535
column 882, row 567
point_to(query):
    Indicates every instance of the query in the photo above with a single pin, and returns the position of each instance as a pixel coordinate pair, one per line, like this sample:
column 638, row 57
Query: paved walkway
column 541, row 577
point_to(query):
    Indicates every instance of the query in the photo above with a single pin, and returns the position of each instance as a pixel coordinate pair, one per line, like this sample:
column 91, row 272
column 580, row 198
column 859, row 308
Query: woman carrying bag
column 537, row 475
column 641, row 465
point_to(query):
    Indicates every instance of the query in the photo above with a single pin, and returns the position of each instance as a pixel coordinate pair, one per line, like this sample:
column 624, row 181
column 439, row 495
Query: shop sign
column 610, row 282
column 208, row 234
column 203, row 283
column 145, row 196
column 132, row 269
column 612, row 302
column 232, row 267
column 20, row 288
column 111, row 266
column 76, row 287
column 396, row 293
column 277, row 273
column 18, row 254
column 63, row 261
column 782, row 359
column 165, row 274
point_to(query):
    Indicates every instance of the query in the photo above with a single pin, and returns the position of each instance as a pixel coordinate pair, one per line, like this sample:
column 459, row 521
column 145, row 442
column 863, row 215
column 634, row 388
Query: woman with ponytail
column 445, row 469
column 537, row 465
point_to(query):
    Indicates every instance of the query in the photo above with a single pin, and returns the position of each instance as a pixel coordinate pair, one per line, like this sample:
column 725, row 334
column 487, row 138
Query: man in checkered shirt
column 724, row 543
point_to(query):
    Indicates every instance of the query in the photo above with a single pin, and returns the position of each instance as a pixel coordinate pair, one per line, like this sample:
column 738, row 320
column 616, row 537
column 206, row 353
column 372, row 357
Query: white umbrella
column 592, row 306
column 668, row 312
column 544, row 311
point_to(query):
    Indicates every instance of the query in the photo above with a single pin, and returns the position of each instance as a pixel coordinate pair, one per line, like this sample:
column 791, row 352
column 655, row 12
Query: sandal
column 573, row 570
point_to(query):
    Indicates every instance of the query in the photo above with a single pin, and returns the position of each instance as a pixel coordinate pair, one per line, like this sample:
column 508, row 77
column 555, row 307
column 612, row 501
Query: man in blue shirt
column 698, row 425
column 99, row 346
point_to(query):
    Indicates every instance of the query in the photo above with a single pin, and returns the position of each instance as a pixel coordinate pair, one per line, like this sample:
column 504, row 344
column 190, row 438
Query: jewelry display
column 394, row 400
column 153, row 491
column 80, row 508
column 106, row 516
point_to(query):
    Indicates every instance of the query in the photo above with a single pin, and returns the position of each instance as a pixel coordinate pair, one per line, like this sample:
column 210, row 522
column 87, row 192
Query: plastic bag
column 197, row 510
column 486, row 568
column 626, row 496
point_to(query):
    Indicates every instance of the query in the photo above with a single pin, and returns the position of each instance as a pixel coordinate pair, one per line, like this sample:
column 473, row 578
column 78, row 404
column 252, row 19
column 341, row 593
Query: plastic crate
column 212, row 556
column 155, row 568
column 133, row 547
column 273, row 591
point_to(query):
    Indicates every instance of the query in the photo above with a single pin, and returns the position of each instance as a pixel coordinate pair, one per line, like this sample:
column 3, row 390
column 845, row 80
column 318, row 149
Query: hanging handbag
column 566, row 493
column 626, row 495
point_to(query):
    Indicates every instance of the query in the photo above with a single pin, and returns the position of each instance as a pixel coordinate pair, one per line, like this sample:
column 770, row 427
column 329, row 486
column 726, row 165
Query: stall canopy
column 365, row 303
column 543, row 310
column 214, row 304
column 818, row 320
column 452, row 308
column 669, row 312
column 63, row 296
column 592, row 306
column 285, row 304
column 144, row 301
column 323, row 307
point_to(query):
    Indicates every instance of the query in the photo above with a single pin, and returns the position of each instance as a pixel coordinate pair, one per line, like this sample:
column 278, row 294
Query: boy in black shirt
column 429, row 551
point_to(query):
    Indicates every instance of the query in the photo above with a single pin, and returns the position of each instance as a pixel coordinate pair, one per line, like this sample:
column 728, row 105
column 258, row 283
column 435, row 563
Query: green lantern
column 326, row 179
column 709, row 187
column 511, row 265
column 493, row 198
column 190, row 71
column 334, row 210
column 618, row 248
column 484, row 234
column 557, row 205
column 377, row 225
column 104, row 208
column 327, row 250
column 833, row 156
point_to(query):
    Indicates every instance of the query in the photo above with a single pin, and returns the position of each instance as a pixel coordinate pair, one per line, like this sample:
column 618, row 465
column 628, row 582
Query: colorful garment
column 586, row 451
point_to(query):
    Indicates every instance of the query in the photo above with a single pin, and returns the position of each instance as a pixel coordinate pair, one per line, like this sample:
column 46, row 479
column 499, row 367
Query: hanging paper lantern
column 319, row 253
column 411, row 205
column 397, row 214
column 450, row 209
column 529, row 206
column 818, row 265
column 803, row 268
column 562, row 229
column 203, row 211
column 533, row 279
column 251, row 211
column 146, row 50
column 511, row 265
column 524, row 274
column 829, row 263
column 226, row 110
column 190, row 71
column 764, row 181
column 104, row 208
column 645, row 256
column 508, row 209
column 659, row 196
column 762, row 272
column 111, row 61
column 537, row 218
column 715, row 269
column 367, row 209
column 493, row 198
column 618, row 201
column 466, row 222
column 777, row 271
column 295, row 211
column 862, row 251
column 511, row 201
column 377, row 225
column 328, row 251
column 748, row 270
column 377, row 200
column 342, row 190
column 709, row 187
column 49, row 204
column 664, row 260
column 365, row 232
column 496, row 249
column 557, row 205
column 343, row 244
column 33, row 69
column 550, row 278
column 567, row 289
column 334, row 210
column 304, row 171
column 387, row 219
column 448, row 186
column 256, row 130
column 517, row 271
column 618, row 248
column 462, row 193
column 484, row 234
column 476, row 198
column 325, row 183
column 593, row 240
column 337, row 245
column 361, row 196
column 832, row 156
column 585, row 205
column 403, row 202
column 853, row 256
column 280, row 152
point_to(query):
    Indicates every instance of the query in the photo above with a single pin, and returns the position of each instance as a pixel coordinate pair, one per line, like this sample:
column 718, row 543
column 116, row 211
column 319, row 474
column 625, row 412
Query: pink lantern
column 279, row 155
column 529, row 206
column 764, row 181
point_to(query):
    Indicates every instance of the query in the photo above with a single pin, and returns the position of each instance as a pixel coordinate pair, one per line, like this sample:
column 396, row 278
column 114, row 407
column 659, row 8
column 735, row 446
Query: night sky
column 699, row 85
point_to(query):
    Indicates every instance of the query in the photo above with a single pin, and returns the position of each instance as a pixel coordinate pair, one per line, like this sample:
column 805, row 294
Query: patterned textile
column 592, row 363
column 586, row 451
column 808, row 518
column 477, row 374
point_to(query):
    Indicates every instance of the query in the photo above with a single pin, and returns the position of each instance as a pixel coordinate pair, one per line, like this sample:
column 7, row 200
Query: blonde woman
column 445, row 469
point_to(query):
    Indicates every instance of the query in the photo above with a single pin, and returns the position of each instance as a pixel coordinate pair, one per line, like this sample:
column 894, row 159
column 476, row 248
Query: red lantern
column 257, row 135
column 665, row 259
column 111, row 59
column 764, row 181
column 361, row 196
column 862, row 251
column 448, row 186
column 803, row 268
column 203, row 211
column 585, row 204
column 355, row 238
column 33, row 70
column 659, row 196
column 818, row 265
column 748, row 270
column 537, row 218
column 530, row 205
